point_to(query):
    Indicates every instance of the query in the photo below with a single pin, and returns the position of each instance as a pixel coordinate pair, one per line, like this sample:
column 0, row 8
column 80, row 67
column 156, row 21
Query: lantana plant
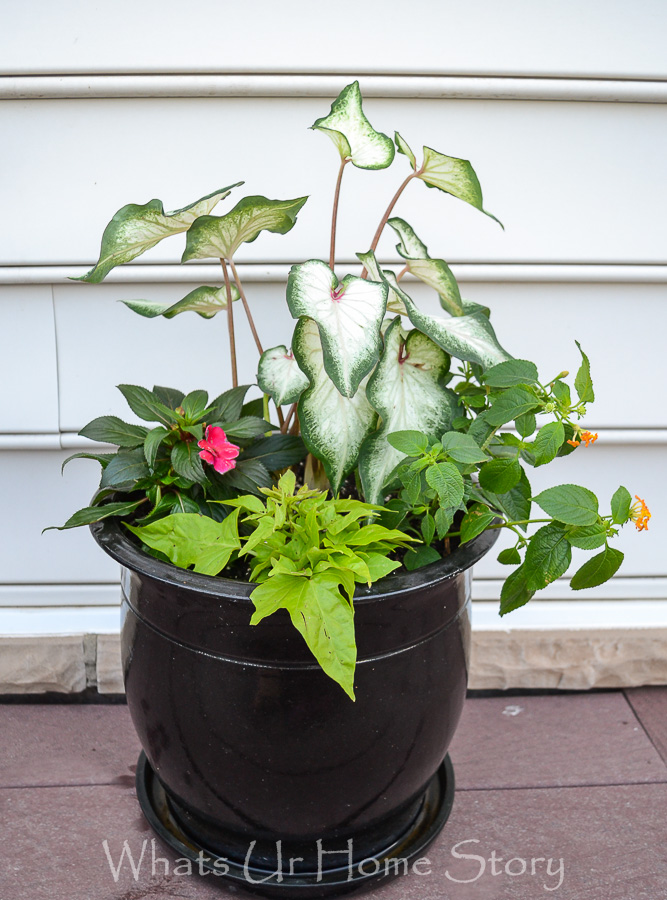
column 417, row 429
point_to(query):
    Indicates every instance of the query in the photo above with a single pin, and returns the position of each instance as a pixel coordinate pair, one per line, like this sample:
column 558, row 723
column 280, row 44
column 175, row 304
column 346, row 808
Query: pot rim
column 111, row 537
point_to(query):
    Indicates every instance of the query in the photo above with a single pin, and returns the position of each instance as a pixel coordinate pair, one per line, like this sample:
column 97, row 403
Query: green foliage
column 307, row 554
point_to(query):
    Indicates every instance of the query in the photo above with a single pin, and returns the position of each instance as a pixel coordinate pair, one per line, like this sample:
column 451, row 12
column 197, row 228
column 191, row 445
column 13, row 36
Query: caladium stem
column 230, row 324
column 251, row 321
column 385, row 217
column 288, row 419
column 403, row 272
column 334, row 215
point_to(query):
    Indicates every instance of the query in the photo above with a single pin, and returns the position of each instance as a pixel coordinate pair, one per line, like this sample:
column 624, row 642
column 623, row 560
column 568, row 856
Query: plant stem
column 251, row 321
column 230, row 324
column 334, row 215
column 504, row 525
column 288, row 419
column 386, row 215
column 403, row 272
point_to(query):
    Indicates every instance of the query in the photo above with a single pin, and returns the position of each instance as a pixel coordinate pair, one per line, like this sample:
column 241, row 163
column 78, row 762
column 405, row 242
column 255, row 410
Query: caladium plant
column 410, row 420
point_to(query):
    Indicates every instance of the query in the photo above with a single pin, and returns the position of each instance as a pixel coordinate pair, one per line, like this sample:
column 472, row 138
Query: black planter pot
column 254, row 757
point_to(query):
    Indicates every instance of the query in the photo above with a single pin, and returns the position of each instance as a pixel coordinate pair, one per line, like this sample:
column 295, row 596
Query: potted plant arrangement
column 296, row 596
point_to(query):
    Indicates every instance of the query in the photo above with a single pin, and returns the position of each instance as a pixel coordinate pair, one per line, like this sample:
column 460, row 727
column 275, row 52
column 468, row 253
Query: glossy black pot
column 252, row 744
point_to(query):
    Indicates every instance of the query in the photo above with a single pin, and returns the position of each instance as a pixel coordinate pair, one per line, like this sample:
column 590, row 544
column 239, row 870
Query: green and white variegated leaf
column 206, row 301
column 469, row 337
column 279, row 375
column 348, row 313
column 453, row 176
column 403, row 147
column 135, row 229
column 433, row 272
column 213, row 237
column 333, row 427
column 408, row 392
column 394, row 302
column 352, row 133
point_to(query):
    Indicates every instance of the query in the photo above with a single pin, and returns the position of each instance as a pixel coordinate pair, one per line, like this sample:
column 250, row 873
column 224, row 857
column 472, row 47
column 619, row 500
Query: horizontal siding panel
column 570, row 181
column 28, row 369
column 600, row 38
column 621, row 327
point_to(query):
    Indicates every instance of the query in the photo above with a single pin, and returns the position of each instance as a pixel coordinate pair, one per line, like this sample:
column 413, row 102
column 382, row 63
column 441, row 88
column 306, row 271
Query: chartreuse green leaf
column 112, row 430
column 348, row 314
column 433, row 272
column 620, row 506
column 403, row 147
column 135, row 229
column 213, row 237
column 205, row 301
column 333, row 426
column 569, row 503
column 469, row 337
column 407, row 389
column 548, row 556
column 597, row 570
column 188, row 539
column 320, row 613
column 394, row 302
column 279, row 375
column 582, row 381
column 511, row 373
column 91, row 514
column 453, row 176
column 352, row 133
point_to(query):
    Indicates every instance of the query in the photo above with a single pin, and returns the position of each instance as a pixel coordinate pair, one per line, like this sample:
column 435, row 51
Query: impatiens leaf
column 453, row 176
column 213, row 237
column 394, row 302
column 112, row 430
column 135, row 229
column 205, row 301
column 469, row 337
column 91, row 514
column 348, row 314
column 408, row 392
column 402, row 147
column 279, row 375
column 188, row 540
column 352, row 133
column 433, row 272
column 333, row 426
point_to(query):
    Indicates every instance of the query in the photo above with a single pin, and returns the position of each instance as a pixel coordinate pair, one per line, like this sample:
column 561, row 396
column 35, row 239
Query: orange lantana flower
column 589, row 438
column 640, row 514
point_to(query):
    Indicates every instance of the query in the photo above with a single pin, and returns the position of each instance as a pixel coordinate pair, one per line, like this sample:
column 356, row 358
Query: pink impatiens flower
column 217, row 450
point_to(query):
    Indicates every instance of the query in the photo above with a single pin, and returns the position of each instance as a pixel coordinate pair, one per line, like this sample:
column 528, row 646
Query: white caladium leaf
column 453, row 176
column 469, row 337
column 402, row 147
column 394, row 302
column 352, row 133
column 333, row 427
column 213, row 237
column 407, row 390
column 433, row 272
column 206, row 301
column 135, row 229
column 279, row 375
column 348, row 313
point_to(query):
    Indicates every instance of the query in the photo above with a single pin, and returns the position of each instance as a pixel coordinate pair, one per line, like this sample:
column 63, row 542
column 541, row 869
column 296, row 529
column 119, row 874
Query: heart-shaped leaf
column 279, row 375
column 403, row 147
column 333, row 426
column 394, row 302
column 408, row 392
column 206, row 301
column 352, row 133
column 348, row 314
column 213, row 237
column 135, row 229
column 433, row 272
column 470, row 337
column 453, row 176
